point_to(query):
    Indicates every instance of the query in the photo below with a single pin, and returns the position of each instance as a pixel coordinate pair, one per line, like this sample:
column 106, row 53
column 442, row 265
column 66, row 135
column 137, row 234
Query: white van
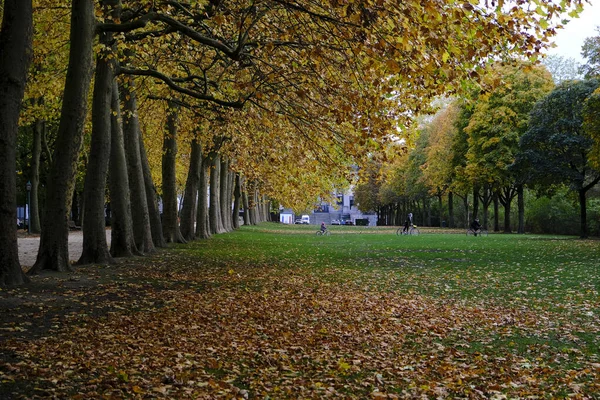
column 306, row 219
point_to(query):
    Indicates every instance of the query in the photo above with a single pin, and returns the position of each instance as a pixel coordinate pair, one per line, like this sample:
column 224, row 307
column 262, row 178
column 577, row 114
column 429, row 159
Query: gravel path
column 29, row 246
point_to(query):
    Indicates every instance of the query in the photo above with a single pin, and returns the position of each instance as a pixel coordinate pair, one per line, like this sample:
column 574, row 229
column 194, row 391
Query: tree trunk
column 486, row 199
column 122, row 243
column 245, row 203
column 151, row 198
column 188, row 212
column 215, row 219
column 506, row 196
column 475, row 202
column 583, row 214
column 451, row 210
column 54, row 252
column 140, row 214
column 254, row 218
column 496, row 212
column 15, row 57
column 441, row 207
column 95, row 247
column 267, row 208
column 237, row 197
column 224, row 195
column 36, row 153
column 521, row 204
column 202, row 224
column 170, row 222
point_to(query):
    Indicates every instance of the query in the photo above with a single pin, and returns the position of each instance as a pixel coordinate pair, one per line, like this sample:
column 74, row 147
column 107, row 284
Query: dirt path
column 29, row 246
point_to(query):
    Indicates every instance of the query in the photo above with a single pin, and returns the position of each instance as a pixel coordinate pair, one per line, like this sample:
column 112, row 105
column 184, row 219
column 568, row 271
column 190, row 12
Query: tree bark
column 54, row 252
column 95, row 247
column 507, row 194
column 36, row 154
column 224, row 195
column 188, row 212
column 245, row 203
column 170, row 222
column 15, row 57
column 496, row 200
column 451, row 210
column 215, row 219
column 521, row 204
column 122, row 243
column 583, row 213
column 202, row 224
column 151, row 198
column 475, row 202
column 140, row 214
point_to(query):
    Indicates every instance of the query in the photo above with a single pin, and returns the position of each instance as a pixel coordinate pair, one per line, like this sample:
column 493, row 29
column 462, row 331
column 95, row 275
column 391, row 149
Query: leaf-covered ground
column 279, row 313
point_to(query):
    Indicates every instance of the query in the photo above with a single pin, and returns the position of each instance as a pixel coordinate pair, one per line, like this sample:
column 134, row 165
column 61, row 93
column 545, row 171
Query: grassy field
column 275, row 311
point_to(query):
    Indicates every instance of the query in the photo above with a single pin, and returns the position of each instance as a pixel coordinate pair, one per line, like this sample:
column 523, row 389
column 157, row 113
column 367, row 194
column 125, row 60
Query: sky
column 570, row 39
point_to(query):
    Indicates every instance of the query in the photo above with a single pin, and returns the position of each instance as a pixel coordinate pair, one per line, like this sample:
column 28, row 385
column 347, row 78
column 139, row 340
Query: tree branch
column 170, row 83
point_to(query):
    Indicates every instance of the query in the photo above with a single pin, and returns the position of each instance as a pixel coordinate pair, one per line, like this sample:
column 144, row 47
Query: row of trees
column 276, row 97
column 487, row 148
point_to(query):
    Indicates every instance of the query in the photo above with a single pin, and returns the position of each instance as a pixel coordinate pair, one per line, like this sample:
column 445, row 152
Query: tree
column 437, row 171
column 15, row 57
column 591, row 52
column 556, row 148
column 95, row 248
column 499, row 119
column 562, row 68
column 53, row 253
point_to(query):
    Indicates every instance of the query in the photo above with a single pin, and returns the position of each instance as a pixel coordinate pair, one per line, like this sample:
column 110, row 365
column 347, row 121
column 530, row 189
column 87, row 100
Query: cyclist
column 476, row 226
column 323, row 227
column 408, row 223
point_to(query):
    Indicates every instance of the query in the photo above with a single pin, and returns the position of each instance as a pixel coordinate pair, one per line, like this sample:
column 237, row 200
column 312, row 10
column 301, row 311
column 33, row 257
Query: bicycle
column 413, row 230
column 323, row 233
column 479, row 232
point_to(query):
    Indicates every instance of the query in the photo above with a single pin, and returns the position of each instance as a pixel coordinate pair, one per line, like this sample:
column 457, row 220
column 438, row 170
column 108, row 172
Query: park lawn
column 274, row 311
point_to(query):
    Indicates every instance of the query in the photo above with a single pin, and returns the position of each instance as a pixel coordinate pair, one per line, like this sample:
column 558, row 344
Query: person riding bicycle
column 475, row 226
column 408, row 223
column 323, row 227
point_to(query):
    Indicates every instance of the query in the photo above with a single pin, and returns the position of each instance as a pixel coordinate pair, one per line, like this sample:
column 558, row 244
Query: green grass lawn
column 274, row 311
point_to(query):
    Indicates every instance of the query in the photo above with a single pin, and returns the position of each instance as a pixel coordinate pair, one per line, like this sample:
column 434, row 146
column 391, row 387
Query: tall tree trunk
column 140, row 214
column 15, row 57
column 583, row 214
column 215, row 219
column 151, row 198
column 486, row 199
column 496, row 200
column 202, row 224
column 451, row 223
column 54, row 251
column 39, row 129
column 122, row 243
column 267, row 208
column 521, row 204
column 245, row 203
column 224, row 195
column 506, row 196
column 237, row 198
column 254, row 217
column 95, row 247
column 188, row 212
column 170, row 222
column 475, row 202
column 441, row 207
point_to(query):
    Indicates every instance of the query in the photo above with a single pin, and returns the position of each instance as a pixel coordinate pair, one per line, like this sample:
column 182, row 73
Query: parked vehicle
column 306, row 219
column 335, row 222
